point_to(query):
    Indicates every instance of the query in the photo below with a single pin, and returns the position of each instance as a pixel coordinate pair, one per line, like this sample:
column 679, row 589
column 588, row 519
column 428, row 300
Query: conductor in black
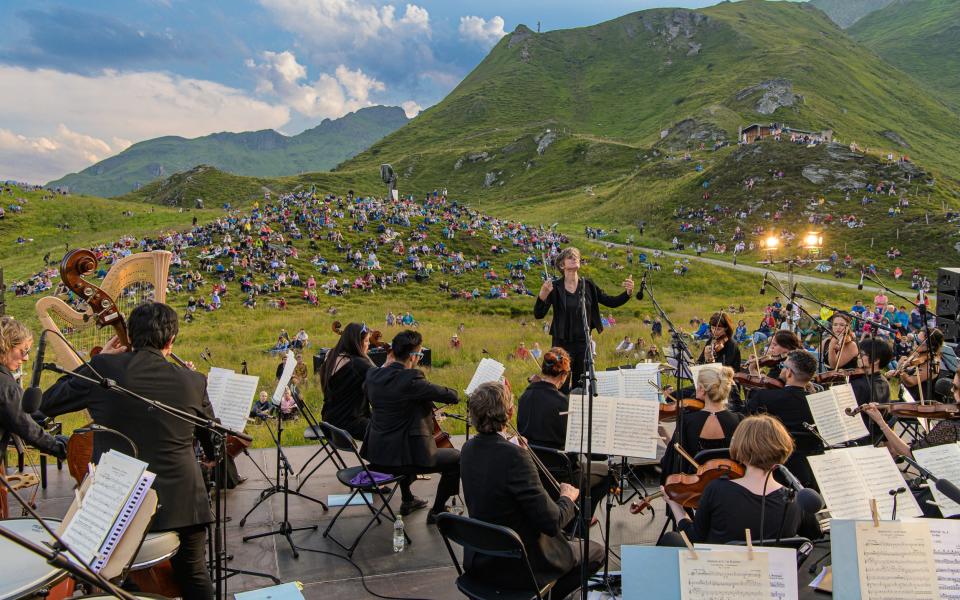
column 165, row 442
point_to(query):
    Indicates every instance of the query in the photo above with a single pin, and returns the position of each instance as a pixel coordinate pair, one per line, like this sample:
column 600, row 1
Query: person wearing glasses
column 399, row 437
column 15, row 343
column 342, row 375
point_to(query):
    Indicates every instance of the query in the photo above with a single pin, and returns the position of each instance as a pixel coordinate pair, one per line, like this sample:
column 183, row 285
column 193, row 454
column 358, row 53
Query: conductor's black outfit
column 567, row 326
column 501, row 486
column 164, row 442
column 399, row 437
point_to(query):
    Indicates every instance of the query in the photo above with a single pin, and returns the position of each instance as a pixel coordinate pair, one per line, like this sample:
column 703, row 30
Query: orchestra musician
column 342, row 375
column 839, row 350
column 15, row 343
column 781, row 343
column 399, row 437
column 924, row 369
column 542, row 419
column 728, row 507
column 721, row 347
column 501, row 486
column 709, row 428
column 564, row 295
column 789, row 405
column 871, row 386
column 164, row 442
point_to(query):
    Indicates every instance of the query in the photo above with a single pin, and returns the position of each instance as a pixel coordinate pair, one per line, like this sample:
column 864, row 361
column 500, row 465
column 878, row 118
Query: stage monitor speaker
column 950, row 329
column 948, row 281
column 948, row 305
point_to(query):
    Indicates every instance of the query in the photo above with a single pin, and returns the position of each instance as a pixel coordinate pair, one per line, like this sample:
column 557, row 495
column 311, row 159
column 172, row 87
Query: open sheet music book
column 850, row 477
column 833, row 424
column 630, row 383
column 944, row 462
column 119, row 485
column 488, row 370
column 695, row 370
column 621, row 426
column 231, row 395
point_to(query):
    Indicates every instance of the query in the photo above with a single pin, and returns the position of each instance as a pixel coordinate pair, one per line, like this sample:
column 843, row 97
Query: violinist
column 164, row 441
column 564, row 295
column 924, row 368
column 871, row 386
column 721, row 346
column 728, row 507
column 790, row 406
column 399, row 437
column 501, row 486
column 342, row 375
column 542, row 419
column 706, row 429
column 839, row 350
column 781, row 343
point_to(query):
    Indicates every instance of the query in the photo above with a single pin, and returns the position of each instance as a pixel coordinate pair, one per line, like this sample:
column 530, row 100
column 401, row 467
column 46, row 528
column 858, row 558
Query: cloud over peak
column 481, row 31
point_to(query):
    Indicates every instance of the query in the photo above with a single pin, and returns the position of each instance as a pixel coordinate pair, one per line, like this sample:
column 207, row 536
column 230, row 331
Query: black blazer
column 790, row 406
column 401, row 429
column 501, row 486
column 594, row 298
column 164, row 442
column 538, row 415
column 13, row 421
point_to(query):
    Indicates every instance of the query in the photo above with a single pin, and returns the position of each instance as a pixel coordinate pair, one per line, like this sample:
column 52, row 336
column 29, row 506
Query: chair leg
column 337, row 516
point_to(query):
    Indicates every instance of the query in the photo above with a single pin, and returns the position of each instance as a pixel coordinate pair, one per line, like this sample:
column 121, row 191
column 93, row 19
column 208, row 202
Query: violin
column 73, row 268
column 686, row 489
column 839, row 375
column 914, row 410
column 764, row 382
column 669, row 410
column 767, row 360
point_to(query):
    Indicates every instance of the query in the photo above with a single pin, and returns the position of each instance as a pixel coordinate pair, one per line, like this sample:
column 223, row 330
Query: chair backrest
column 481, row 537
column 557, row 462
column 339, row 438
column 705, row 455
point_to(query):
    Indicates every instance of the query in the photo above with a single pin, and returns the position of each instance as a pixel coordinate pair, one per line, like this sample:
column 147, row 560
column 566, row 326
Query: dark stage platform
column 423, row 570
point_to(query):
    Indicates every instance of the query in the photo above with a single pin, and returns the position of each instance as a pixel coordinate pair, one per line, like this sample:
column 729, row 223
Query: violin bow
column 684, row 454
column 756, row 359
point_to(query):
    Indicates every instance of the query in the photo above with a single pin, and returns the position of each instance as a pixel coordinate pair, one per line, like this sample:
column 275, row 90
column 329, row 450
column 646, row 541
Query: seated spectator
column 625, row 346
column 262, row 408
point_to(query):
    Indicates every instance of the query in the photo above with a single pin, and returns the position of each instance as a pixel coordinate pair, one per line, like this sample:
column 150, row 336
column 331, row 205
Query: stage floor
column 423, row 570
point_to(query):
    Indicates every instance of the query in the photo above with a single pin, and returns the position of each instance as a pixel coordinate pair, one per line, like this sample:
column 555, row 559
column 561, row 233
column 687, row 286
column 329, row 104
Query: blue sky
column 90, row 78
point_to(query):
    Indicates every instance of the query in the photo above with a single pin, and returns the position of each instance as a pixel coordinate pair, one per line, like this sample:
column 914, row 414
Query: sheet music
column 113, row 482
column 854, row 425
column 238, row 394
column 896, row 561
column 635, row 427
column 695, row 371
column 782, row 563
column 945, row 536
column 285, row 377
column 488, row 370
column 840, row 484
column 635, row 382
column 609, row 383
column 880, row 474
column 724, row 575
column 827, row 408
column 602, row 418
column 944, row 462
column 216, row 381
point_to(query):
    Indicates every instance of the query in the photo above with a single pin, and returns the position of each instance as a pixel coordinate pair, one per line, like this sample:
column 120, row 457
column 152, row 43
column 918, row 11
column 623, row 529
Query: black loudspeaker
column 948, row 305
column 377, row 355
column 950, row 329
column 948, row 281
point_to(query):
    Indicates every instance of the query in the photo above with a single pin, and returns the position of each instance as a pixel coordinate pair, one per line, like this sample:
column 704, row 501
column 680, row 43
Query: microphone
column 793, row 294
column 643, row 284
column 38, row 361
column 944, row 387
column 860, row 285
column 948, row 488
column 763, row 286
column 809, row 500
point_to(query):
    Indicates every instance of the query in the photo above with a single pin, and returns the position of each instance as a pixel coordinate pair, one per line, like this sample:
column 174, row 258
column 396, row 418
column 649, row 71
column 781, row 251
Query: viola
column 686, row 489
column 669, row 410
column 914, row 410
column 766, row 382
column 767, row 360
column 839, row 375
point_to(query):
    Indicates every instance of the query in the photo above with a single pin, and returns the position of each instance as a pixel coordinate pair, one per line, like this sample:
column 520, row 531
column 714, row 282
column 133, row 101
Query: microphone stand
column 821, row 330
column 588, row 391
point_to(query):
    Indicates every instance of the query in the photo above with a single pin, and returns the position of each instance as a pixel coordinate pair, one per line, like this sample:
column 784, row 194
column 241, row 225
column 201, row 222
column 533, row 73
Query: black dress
column 345, row 404
column 693, row 423
column 538, row 415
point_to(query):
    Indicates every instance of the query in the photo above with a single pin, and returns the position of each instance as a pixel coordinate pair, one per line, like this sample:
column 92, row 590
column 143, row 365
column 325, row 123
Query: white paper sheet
column 285, row 378
column 944, row 462
column 488, row 370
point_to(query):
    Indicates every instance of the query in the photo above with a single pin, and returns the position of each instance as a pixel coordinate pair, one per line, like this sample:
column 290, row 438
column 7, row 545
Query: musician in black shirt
column 342, row 375
column 875, row 355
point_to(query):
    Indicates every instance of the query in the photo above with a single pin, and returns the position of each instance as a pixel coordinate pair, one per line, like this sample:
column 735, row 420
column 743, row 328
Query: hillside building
column 757, row 131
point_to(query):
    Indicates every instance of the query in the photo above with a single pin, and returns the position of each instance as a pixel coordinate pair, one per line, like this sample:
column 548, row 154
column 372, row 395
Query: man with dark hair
column 164, row 442
column 790, row 406
column 501, row 485
column 399, row 436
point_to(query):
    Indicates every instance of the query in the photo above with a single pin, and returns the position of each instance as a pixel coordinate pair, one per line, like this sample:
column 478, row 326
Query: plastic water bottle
column 399, row 539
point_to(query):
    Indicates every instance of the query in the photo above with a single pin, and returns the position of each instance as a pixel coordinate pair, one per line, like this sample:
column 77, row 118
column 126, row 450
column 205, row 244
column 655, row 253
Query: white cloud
column 328, row 96
column 481, row 31
column 411, row 108
column 99, row 115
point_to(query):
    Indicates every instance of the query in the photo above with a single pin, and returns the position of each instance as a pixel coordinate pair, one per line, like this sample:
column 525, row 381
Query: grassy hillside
column 921, row 37
column 847, row 12
column 575, row 108
column 257, row 153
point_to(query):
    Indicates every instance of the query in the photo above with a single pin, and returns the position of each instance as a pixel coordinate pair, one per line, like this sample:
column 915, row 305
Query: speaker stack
column 948, row 303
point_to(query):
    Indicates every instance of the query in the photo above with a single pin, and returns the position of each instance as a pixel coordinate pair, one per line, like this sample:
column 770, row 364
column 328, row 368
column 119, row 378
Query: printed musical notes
column 849, row 477
column 621, row 426
column 943, row 461
column 724, row 575
column 895, row 561
column 834, row 425
column 231, row 395
column 945, row 535
column 488, row 370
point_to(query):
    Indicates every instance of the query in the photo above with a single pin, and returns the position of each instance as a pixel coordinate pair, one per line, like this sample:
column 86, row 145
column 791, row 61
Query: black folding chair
column 802, row 545
column 556, row 461
column 313, row 432
column 705, row 455
column 490, row 540
column 341, row 441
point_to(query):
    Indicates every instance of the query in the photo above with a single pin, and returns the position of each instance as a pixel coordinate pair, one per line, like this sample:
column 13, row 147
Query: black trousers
column 570, row 581
column 577, row 351
column 447, row 464
column 190, row 564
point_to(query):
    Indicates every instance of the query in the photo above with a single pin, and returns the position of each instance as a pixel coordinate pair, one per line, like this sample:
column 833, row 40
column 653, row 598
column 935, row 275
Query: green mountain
column 847, row 12
column 921, row 37
column 265, row 153
column 574, row 108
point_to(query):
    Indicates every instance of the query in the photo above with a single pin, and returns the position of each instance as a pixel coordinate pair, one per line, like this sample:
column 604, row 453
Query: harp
column 130, row 281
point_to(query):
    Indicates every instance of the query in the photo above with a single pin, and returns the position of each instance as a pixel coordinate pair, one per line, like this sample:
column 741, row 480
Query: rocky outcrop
column 776, row 93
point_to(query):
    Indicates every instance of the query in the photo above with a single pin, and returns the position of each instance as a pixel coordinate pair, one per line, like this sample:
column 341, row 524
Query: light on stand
column 813, row 242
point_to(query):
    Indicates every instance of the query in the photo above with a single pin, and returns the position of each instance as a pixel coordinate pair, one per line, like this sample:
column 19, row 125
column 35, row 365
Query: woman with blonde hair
column 706, row 429
column 15, row 343
column 564, row 296
column 728, row 507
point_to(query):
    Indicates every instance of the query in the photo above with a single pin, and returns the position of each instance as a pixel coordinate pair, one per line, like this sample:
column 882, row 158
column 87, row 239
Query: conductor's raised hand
column 628, row 284
column 546, row 289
